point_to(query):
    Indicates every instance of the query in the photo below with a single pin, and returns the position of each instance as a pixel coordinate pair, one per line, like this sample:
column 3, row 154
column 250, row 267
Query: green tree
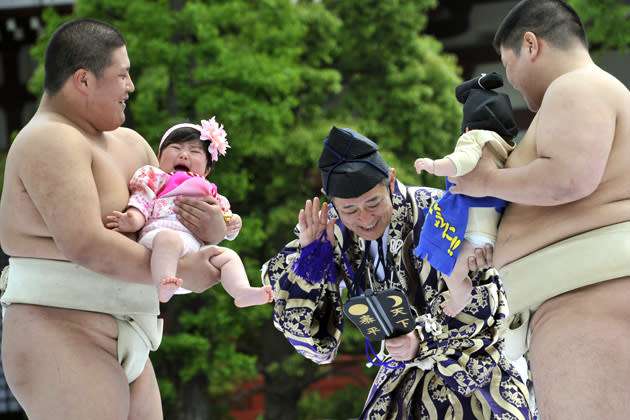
column 398, row 83
column 607, row 24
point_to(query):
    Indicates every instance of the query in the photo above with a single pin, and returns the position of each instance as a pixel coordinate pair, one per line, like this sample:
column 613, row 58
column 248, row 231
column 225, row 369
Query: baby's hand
column 425, row 164
column 439, row 167
column 234, row 225
column 120, row 222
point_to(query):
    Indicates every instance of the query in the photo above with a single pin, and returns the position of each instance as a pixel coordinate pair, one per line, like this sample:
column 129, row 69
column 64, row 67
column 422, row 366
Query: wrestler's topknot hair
column 555, row 21
column 81, row 43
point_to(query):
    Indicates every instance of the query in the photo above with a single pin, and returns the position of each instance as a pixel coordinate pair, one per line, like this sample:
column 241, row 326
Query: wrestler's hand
column 131, row 220
column 482, row 259
column 312, row 223
column 475, row 182
column 234, row 225
column 203, row 217
column 404, row 347
column 197, row 271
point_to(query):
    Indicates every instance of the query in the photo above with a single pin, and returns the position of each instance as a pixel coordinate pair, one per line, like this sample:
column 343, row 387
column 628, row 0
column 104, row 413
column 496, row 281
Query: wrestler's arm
column 58, row 179
column 574, row 133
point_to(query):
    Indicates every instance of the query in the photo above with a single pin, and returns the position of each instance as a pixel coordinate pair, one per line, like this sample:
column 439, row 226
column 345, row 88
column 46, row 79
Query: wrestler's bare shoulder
column 113, row 155
column 46, row 127
column 589, row 77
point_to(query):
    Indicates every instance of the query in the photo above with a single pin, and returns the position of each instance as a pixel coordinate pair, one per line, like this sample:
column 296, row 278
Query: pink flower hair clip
column 210, row 130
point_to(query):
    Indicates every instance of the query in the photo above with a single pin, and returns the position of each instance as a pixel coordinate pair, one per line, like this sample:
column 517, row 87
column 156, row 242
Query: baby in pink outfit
column 185, row 159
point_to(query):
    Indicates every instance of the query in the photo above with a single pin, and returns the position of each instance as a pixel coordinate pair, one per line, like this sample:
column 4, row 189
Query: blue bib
column 445, row 225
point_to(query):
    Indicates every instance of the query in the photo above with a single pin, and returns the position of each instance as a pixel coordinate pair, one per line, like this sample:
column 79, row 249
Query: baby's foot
column 452, row 307
column 254, row 296
column 167, row 289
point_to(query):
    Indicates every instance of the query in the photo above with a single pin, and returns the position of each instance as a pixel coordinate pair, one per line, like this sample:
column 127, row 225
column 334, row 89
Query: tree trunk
column 192, row 402
column 282, row 387
column 281, row 398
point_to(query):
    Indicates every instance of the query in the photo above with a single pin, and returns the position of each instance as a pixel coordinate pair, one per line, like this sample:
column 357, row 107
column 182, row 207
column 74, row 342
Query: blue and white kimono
column 459, row 372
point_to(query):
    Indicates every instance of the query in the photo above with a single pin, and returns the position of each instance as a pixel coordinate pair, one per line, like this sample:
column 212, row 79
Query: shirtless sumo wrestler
column 566, row 178
column 66, row 170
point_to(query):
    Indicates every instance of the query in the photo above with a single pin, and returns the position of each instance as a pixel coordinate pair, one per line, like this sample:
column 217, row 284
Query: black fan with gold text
column 380, row 315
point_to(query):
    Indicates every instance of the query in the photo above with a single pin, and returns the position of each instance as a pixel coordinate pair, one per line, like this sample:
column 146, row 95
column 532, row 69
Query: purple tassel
column 317, row 262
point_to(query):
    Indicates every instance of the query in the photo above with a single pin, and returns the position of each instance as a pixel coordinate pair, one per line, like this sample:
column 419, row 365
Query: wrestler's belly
column 525, row 229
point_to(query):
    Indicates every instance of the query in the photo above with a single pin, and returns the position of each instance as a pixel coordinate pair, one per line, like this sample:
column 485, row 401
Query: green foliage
column 3, row 162
column 398, row 85
column 339, row 406
column 167, row 390
column 607, row 24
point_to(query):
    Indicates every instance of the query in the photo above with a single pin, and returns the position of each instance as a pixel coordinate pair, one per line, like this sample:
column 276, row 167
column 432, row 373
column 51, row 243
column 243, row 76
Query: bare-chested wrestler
column 563, row 245
column 66, row 170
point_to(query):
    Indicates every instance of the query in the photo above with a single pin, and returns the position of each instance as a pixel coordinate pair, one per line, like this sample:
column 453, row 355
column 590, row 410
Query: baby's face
column 188, row 156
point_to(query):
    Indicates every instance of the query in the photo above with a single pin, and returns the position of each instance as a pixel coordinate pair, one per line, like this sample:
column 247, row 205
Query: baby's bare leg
column 235, row 282
column 167, row 249
column 459, row 285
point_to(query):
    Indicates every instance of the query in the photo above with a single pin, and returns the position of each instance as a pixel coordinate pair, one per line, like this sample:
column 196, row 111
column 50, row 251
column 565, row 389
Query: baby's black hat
column 351, row 164
column 485, row 109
